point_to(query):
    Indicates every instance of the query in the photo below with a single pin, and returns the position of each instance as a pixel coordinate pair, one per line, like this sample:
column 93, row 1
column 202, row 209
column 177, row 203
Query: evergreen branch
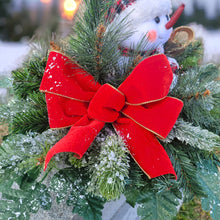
column 108, row 173
column 199, row 89
column 191, row 56
column 185, row 170
column 23, row 201
column 26, row 115
column 209, row 177
column 70, row 184
column 34, row 120
column 159, row 206
column 134, row 183
column 197, row 80
column 98, row 51
column 17, row 149
column 194, row 136
column 5, row 82
column 104, row 169
column 83, row 45
column 19, row 164
column 27, row 79
column 5, row 114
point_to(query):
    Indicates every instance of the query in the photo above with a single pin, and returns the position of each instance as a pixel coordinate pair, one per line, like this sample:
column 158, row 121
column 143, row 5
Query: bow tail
column 145, row 149
column 78, row 139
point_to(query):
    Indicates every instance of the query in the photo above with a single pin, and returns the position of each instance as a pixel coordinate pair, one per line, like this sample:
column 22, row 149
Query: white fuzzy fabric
column 148, row 9
column 140, row 15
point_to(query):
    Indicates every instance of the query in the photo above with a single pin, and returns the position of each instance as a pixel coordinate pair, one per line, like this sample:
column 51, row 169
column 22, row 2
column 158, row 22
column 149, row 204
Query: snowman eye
column 157, row 20
column 168, row 17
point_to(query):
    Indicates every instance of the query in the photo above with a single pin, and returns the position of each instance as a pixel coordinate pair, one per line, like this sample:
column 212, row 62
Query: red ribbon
column 139, row 109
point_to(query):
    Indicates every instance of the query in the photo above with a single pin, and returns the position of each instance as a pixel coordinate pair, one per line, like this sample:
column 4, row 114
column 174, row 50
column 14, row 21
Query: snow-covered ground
column 11, row 56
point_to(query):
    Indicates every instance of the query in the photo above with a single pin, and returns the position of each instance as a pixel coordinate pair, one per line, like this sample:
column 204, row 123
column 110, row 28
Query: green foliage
column 194, row 136
column 106, row 171
column 70, row 184
column 209, row 177
column 25, row 115
column 77, row 163
column 26, row 80
column 22, row 151
column 185, row 169
column 154, row 205
column 135, row 181
column 109, row 171
column 191, row 56
column 95, row 43
column 90, row 207
column 5, row 82
column 19, row 200
column 28, row 110
column 21, row 162
column 199, row 90
column 33, row 118
column 192, row 210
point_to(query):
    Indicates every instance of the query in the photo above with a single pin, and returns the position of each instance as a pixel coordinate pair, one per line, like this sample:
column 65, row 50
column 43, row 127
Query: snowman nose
column 175, row 17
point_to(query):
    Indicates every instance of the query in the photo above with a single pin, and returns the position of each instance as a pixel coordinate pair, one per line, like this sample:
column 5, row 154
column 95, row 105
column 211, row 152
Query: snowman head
column 148, row 19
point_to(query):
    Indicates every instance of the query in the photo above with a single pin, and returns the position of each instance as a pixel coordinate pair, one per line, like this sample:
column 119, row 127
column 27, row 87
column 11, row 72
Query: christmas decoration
column 120, row 110
column 139, row 109
column 152, row 22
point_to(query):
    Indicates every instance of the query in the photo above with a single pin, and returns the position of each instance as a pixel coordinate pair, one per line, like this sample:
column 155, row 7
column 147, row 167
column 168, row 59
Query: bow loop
column 106, row 104
column 65, row 78
column 161, row 115
column 149, row 82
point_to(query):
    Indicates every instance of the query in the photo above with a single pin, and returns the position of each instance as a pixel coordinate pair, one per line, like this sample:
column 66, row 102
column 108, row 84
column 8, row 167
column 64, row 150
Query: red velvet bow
column 139, row 109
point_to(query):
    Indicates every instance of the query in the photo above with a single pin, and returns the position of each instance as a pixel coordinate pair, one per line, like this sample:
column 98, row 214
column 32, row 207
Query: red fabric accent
column 149, row 81
column 65, row 78
column 153, row 113
column 78, row 139
column 64, row 112
column 175, row 17
column 163, row 113
column 145, row 149
column 106, row 104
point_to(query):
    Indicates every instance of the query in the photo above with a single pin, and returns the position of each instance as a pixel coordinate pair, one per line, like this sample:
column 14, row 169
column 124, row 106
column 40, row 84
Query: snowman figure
column 149, row 19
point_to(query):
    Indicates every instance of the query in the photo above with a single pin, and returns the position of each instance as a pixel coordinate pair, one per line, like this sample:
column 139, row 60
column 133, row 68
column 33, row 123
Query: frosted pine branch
column 194, row 136
column 111, row 168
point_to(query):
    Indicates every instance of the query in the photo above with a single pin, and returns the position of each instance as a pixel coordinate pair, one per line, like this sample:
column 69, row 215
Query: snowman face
column 154, row 31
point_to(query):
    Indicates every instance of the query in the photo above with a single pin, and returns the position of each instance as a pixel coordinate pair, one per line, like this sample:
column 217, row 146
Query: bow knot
column 106, row 104
column 138, row 109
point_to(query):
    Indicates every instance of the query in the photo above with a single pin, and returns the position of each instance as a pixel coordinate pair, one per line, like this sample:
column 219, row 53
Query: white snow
column 11, row 56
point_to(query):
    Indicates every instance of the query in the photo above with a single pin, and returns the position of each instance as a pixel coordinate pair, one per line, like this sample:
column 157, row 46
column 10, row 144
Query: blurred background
column 20, row 20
